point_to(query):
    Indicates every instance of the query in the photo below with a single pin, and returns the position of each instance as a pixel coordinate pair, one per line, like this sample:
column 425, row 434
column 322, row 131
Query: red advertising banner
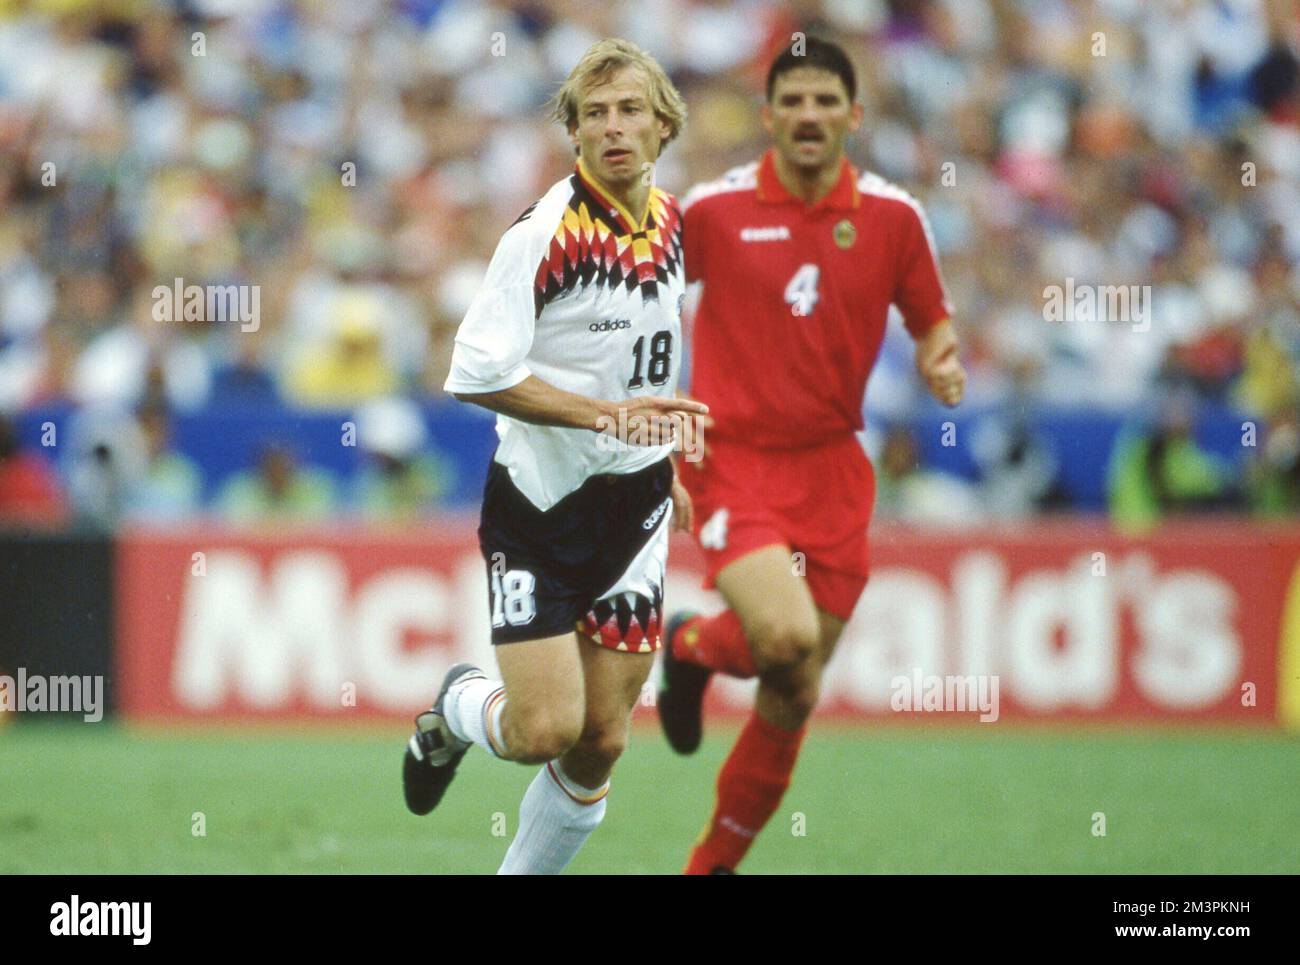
column 1198, row 623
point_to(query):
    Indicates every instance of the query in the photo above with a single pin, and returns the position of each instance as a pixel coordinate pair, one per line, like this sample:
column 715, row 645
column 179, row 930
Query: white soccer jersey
column 586, row 300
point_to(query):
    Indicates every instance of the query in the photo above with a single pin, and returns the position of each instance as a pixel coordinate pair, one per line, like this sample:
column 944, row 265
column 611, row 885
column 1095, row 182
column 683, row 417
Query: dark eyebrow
column 824, row 96
column 635, row 99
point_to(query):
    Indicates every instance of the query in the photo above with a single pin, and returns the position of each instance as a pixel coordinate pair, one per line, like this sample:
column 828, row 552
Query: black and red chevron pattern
column 629, row 622
column 593, row 247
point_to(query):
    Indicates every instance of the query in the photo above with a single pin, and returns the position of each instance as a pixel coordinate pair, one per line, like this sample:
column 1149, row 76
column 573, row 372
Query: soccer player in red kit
column 801, row 256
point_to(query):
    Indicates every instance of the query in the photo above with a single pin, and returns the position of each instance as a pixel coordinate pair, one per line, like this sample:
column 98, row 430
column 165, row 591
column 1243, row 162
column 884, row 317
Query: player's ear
column 765, row 115
column 665, row 132
column 856, row 113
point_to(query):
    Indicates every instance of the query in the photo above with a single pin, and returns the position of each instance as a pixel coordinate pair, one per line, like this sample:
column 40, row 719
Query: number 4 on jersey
column 801, row 291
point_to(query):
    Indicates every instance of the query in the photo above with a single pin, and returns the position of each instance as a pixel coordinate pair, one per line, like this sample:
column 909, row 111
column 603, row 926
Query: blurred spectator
column 347, row 368
column 1018, row 473
column 907, row 493
column 277, row 490
column 171, row 485
column 1268, row 384
column 145, row 359
column 400, row 481
column 30, row 494
column 38, row 370
column 1163, row 472
column 106, row 462
column 1273, row 478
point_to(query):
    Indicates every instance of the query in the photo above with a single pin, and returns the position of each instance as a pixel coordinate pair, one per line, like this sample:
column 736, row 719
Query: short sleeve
column 496, row 334
column 919, row 292
column 693, row 237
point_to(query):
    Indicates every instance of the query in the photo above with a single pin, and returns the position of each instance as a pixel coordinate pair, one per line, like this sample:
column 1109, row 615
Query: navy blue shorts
column 592, row 563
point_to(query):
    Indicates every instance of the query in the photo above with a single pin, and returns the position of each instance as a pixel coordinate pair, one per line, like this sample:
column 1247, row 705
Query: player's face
column 810, row 116
column 618, row 133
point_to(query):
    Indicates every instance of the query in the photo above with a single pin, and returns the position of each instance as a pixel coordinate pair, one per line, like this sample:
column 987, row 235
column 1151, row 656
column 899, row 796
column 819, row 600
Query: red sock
column 750, row 787
column 715, row 642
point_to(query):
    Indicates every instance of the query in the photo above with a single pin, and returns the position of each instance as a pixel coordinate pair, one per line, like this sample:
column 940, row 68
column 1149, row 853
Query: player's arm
column 920, row 297
column 683, row 505
column 693, row 449
column 939, row 364
column 541, row 403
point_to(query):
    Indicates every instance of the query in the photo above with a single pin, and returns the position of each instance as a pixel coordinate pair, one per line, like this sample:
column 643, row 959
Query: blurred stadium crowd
column 358, row 161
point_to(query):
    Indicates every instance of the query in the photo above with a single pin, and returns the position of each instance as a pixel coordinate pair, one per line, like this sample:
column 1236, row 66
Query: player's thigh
column 544, row 684
column 775, row 608
column 613, row 681
column 830, row 628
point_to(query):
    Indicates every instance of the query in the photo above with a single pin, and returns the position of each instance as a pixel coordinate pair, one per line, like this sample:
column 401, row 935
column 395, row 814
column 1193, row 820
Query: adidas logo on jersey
column 775, row 233
column 610, row 325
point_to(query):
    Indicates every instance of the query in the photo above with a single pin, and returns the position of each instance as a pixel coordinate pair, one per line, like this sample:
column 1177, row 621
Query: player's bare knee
column 540, row 736
column 799, row 681
column 602, row 744
column 545, row 744
column 802, row 701
column 783, row 646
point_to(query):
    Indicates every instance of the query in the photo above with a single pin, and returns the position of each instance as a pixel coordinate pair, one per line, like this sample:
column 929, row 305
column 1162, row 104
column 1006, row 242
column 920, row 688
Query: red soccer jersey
column 796, row 298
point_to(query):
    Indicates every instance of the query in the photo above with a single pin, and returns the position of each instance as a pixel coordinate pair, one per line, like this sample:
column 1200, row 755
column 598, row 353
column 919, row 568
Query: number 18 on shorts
column 593, row 563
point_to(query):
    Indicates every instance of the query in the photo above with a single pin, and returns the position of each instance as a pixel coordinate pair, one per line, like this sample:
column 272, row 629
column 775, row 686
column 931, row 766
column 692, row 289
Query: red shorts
column 816, row 500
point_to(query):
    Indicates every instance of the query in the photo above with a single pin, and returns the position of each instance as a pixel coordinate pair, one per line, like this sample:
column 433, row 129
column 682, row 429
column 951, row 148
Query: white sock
column 473, row 711
column 556, row 817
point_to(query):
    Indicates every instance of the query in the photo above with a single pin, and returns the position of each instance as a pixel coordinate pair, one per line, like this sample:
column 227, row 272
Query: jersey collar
column 616, row 210
column 843, row 197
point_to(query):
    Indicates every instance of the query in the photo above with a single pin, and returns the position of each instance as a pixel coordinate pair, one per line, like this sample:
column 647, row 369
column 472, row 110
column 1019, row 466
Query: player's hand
column 937, row 361
column 694, row 447
column 683, row 508
column 652, row 420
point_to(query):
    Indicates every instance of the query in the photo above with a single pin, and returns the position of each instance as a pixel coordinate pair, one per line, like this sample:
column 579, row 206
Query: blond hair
column 599, row 64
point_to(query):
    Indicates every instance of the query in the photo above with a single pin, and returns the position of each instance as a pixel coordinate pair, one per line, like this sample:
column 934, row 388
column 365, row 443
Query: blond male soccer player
column 801, row 257
column 574, row 340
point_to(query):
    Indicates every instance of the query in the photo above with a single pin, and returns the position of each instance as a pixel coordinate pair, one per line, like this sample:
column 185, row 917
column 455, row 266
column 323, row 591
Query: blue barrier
column 227, row 439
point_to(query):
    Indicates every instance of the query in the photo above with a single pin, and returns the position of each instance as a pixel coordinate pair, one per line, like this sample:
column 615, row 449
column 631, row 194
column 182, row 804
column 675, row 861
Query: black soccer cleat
column 681, row 693
column 433, row 752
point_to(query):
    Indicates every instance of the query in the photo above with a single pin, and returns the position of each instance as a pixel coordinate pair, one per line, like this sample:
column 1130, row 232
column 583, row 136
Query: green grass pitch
column 108, row 799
